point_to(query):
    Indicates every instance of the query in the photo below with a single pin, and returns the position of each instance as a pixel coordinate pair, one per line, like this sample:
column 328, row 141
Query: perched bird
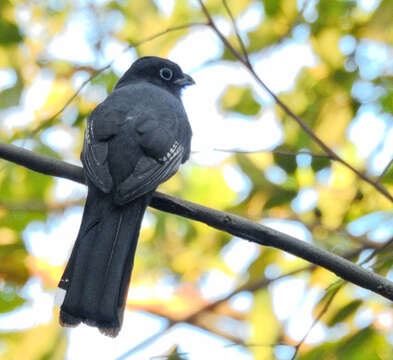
column 134, row 140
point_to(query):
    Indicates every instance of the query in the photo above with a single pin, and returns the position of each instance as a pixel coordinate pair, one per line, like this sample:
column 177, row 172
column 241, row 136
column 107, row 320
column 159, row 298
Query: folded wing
column 160, row 158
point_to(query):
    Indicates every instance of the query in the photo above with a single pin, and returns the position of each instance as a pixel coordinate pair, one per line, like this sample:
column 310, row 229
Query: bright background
column 331, row 62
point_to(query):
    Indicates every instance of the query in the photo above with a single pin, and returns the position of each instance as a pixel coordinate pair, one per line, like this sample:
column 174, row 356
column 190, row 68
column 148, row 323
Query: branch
column 232, row 224
column 286, row 109
column 252, row 287
column 377, row 250
column 316, row 320
column 43, row 123
column 148, row 341
column 237, row 32
column 191, row 319
column 277, row 152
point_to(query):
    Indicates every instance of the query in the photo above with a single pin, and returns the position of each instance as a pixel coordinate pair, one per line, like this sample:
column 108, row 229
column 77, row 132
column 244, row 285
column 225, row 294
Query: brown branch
column 47, row 122
column 211, row 23
column 252, row 287
column 192, row 319
column 146, row 342
column 43, row 123
column 232, row 224
column 278, row 152
column 380, row 248
column 287, row 110
column 248, row 287
column 316, row 320
column 237, row 32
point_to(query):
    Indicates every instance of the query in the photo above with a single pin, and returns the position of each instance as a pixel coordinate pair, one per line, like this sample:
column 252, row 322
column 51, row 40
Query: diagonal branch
column 232, row 224
column 339, row 286
column 148, row 341
column 263, row 283
column 43, row 123
column 287, row 110
column 277, row 152
column 191, row 319
column 237, row 32
column 316, row 320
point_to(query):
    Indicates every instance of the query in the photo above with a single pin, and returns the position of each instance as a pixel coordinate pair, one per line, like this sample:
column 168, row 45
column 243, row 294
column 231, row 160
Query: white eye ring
column 166, row 73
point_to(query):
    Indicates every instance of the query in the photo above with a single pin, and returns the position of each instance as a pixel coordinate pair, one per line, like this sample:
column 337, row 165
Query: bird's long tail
column 94, row 286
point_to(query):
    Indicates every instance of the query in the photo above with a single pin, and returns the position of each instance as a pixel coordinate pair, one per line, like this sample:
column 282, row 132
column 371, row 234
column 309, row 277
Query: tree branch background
column 327, row 177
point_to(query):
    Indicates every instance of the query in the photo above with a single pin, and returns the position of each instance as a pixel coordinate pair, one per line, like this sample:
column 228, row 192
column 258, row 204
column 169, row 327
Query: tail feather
column 97, row 275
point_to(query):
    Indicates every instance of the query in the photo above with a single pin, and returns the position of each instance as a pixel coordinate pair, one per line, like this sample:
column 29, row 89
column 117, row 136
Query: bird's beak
column 186, row 80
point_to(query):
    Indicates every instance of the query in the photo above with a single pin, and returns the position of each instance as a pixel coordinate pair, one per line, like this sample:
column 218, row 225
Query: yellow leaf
column 265, row 326
column 326, row 46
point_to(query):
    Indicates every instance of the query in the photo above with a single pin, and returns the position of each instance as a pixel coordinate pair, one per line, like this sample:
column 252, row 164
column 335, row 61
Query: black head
column 158, row 71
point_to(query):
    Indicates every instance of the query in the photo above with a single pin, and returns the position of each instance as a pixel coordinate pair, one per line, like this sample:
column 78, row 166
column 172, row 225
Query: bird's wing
column 161, row 158
column 102, row 124
column 147, row 140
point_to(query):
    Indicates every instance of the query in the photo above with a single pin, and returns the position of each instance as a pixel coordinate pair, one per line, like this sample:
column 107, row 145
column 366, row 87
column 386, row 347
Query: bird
column 134, row 140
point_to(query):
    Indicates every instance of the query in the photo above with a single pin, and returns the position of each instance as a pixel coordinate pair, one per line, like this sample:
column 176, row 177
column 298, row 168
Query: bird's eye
column 166, row 73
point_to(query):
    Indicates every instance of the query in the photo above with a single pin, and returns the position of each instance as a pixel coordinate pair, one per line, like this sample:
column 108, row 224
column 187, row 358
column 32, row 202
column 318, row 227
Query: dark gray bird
column 134, row 140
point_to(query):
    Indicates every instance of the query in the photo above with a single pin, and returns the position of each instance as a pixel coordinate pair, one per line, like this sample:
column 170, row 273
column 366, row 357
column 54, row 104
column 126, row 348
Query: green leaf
column 271, row 7
column 283, row 197
column 107, row 79
column 9, row 33
column 367, row 344
column 319, row 163
column 320, row 353
column 387, row 102
column 333, row 11
column 13, row 263
column 9, row 300
column 388, row 177
column 240, row 100
column 175, row 354
column 287, row 162
column 344, row 312
column 11, row 96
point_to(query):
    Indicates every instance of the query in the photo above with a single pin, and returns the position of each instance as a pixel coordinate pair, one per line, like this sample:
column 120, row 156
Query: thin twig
column 191, row 319
column 287, row 110
column 277, row 152
column 211, row 23
column 382, row 247
column 146, row 342
column 316, row 320
column 43, row 123
column 236, row 29
column 248, row 287
column 329, row 302
column 251, row 287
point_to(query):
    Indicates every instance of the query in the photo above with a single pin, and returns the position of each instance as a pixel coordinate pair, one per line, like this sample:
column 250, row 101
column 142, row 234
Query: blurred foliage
column 240, row 100
column 346, row 40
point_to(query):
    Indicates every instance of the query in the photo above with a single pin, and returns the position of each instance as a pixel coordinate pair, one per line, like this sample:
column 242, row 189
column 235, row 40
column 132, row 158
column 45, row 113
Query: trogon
column 134, row 140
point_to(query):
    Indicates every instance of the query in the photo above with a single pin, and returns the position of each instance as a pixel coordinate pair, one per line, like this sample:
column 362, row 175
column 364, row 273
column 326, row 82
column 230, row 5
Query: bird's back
column 133, row 102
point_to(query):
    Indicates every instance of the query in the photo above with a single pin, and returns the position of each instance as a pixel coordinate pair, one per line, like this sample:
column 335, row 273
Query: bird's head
column 158, row 71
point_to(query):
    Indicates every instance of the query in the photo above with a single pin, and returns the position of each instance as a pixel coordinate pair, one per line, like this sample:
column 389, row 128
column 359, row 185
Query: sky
column 263, row 133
